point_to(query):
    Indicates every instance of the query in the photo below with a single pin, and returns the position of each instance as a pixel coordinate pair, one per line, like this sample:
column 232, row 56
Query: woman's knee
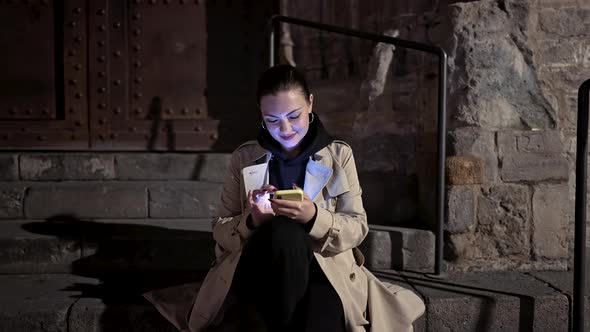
column 283, row 233
column 287, row 231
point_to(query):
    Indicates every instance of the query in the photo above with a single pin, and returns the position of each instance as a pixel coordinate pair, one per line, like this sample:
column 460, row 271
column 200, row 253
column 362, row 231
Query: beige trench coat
column 331, row 181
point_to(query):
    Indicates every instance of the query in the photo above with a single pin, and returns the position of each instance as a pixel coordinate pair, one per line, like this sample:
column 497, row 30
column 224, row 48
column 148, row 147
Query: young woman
column 293, row 264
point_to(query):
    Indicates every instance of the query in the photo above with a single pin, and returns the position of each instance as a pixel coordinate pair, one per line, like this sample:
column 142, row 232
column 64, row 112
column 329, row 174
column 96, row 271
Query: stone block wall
column 117, row 186
column 514, row 70
column 515, row 67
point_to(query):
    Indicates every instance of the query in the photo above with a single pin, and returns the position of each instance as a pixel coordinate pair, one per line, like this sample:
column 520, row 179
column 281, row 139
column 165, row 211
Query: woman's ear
column 310, row 102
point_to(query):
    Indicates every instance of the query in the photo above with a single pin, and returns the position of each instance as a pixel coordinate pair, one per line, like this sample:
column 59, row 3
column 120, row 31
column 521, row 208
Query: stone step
column 399, row 248
column 58, row 302
column 109, row 199
column 496, row 301
column 492, row 301
column 487, row 301
column 564, row 282
column 111, row 166
column 97, row 247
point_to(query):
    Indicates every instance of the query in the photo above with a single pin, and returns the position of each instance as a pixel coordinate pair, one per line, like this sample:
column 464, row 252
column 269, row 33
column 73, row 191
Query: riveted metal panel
column 148, row 76
column 99, row 74
column 168, row 56
column 27, row 91
column 104, row 74
column 75, row 71
column 43, row 82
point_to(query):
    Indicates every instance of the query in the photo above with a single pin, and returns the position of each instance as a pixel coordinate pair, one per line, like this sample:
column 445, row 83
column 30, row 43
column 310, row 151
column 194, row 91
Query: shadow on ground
column 128, row 260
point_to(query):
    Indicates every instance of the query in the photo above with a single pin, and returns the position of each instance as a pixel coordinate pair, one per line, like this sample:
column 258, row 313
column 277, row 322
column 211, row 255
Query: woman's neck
column 292, row 153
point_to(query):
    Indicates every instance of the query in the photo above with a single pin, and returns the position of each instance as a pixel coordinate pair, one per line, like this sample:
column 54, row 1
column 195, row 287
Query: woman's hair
column 281, row 78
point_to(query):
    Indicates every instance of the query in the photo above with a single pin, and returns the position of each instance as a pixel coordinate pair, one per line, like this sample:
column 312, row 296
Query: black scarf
column 283, row 172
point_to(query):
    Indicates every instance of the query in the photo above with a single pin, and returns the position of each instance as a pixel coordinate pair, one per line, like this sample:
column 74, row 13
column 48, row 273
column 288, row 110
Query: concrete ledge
column 563, row 281
column 62, row 302
column 86, row 201
column 493, row 301
column 66, row 166
column 184, row 200
column 94, row 248
column 94, row 315
column 109, row 200
column 36, row 303
column 25, row 252
column 399, row 248
column 172, row 166
column 133, row 166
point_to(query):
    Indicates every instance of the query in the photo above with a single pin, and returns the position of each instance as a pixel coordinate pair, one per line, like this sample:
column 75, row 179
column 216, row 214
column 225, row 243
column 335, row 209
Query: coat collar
column 319, row 172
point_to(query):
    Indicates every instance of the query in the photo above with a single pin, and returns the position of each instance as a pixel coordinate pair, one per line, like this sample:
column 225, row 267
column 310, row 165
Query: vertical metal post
column 580, row 225
column 440, row 184
column 271, row 42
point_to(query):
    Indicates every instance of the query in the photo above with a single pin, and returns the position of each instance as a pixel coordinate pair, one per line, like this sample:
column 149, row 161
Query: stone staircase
column 69, row 274
column 504, row 301
column 78, row 246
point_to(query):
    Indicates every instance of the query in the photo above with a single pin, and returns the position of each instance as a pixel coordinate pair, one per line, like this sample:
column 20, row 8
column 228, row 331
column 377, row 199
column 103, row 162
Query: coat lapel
column 326, row 173
column 256, row 176
column 317, row 176
column 318, row 173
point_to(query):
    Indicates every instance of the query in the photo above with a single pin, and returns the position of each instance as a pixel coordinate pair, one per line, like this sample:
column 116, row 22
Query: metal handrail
column 580, row 225
column 442, row 105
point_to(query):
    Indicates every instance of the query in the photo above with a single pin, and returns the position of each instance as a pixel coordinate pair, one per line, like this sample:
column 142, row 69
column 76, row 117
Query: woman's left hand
column 301, row 212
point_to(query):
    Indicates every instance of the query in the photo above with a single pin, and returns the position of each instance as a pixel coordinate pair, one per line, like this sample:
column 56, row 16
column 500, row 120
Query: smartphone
column 290, row 194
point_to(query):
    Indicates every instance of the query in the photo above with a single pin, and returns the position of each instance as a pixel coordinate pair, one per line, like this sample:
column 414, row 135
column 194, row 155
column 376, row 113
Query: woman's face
column 286, row 116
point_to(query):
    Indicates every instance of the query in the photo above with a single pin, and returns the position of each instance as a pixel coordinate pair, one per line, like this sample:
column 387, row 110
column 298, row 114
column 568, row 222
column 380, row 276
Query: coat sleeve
column 229, row 227
column 347, row 227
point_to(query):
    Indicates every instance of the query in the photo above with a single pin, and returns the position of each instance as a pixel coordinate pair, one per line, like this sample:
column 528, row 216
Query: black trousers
column 279, row 276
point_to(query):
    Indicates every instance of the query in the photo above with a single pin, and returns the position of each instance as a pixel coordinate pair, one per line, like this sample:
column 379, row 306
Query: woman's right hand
column 260, row 208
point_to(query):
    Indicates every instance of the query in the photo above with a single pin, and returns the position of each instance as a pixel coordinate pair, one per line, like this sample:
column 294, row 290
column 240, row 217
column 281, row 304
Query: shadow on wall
column 128, row 260
column 155, row 114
